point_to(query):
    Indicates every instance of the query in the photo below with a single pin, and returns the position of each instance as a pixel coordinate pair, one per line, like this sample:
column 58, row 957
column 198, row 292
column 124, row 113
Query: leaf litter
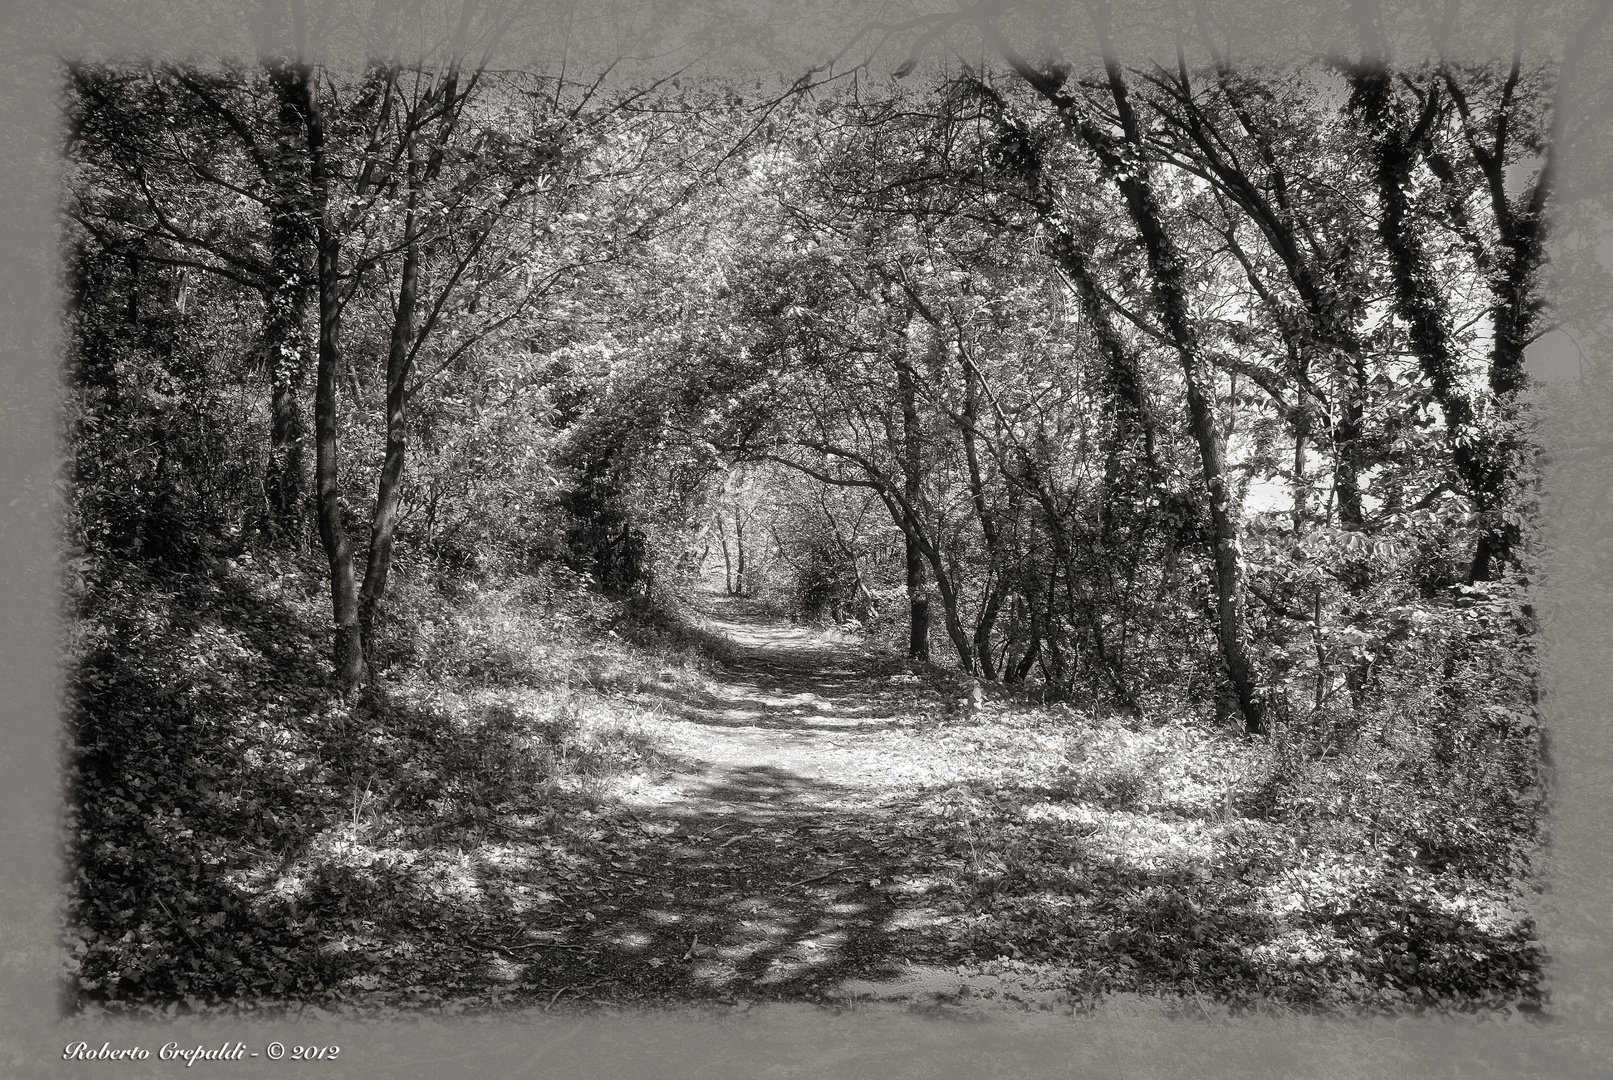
column 655, row 840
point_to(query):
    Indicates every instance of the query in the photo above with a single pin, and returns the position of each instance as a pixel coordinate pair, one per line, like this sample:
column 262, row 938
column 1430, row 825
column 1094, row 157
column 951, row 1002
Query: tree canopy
column 1186, row 383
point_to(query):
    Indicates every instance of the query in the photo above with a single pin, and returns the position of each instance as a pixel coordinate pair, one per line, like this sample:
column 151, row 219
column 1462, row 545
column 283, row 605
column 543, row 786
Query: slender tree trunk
column 988, row 522
column 921, row 553
column 131, row 310
column 918, row 599
column 949, row 605
column 984, row 663
column 974, row 653
column 287, row 364
column 1347, row 434
column 1167, row 269
column 739, row 550
column 1301, row 489
column 727, row 560
column 1021, row 670
column 347, row 651
column 383, row 526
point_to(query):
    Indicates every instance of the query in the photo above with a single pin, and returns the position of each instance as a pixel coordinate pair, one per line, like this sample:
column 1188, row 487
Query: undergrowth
column 1138, row 856
column 240, row 839
column 238, row 834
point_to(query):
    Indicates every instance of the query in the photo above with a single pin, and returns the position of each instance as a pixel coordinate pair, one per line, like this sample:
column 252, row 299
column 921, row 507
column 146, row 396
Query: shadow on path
column 758, row 871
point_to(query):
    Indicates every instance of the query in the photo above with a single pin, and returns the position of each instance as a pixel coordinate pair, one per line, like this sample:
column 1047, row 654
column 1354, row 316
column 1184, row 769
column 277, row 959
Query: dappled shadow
column 782, row 677
column 241, row 834
column 258, row 842
column 773, row 707
column 204, row 754
column 760, row 881
column 759, row 888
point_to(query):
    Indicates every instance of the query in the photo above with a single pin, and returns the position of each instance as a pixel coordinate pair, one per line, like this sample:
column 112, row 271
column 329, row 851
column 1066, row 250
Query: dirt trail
column 776, row 862
column 795, row 704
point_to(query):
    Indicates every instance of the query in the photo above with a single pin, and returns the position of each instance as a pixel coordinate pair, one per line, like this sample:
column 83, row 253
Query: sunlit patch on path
column 796, row 817
column 772, row 868
column 832, row 830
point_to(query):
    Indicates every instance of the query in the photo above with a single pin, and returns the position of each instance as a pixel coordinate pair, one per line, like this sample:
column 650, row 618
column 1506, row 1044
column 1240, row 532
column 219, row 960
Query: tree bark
column 1481, row 463
column 984, row 625
column 285, row 322
column 1123, row 159
column 1167, row 269
column 727, row 560
column 347, row 650
column 400, row 350
column 918, row 600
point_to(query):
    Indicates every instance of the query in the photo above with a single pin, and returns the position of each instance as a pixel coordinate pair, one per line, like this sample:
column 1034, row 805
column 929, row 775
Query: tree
column 1124, row 159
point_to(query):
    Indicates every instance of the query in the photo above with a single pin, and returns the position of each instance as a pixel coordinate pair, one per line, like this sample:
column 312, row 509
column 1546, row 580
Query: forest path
column 818, row 713
column 777, row 859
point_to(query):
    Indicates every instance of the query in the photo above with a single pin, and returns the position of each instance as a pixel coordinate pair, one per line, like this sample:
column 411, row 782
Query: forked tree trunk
column 383, row 526
column 347, row 652
column 1123, row 158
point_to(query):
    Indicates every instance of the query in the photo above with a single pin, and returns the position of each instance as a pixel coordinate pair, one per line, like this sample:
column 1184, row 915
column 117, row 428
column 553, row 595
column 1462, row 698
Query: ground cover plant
column 517, row 815
column 948, row 530
column 240, row 833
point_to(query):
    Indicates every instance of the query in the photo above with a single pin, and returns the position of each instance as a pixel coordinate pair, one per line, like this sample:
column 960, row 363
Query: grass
column 464, row 836
column 1132, row 858
column 238, row 835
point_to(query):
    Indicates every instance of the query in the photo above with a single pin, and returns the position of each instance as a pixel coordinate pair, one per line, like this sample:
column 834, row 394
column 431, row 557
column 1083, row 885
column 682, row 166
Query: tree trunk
column 383, row 526
column 1417, row 296
column 918, row 600
column 1166, row 267
column 285, row 320
column 949, row 606
column 918, row 604
column 287, row 364
column 988, row 523
column 347, row 652
column 984, row 664
column 1347, row 432
column 1020, row 671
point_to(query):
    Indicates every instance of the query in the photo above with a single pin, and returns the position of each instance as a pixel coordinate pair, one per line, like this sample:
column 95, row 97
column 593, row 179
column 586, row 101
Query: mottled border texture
column 785, row 1041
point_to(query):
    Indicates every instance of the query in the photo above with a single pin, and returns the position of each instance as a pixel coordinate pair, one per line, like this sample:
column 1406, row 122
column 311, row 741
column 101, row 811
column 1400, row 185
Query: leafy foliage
column 1159, row 404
